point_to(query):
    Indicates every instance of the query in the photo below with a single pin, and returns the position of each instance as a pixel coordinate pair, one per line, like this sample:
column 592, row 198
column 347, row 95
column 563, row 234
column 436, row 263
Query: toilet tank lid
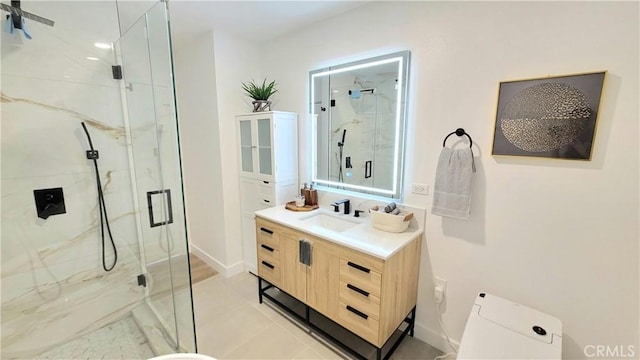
column 519, row 318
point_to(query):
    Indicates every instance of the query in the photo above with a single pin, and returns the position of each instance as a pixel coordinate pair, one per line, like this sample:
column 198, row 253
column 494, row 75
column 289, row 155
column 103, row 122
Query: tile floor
column 231, row 324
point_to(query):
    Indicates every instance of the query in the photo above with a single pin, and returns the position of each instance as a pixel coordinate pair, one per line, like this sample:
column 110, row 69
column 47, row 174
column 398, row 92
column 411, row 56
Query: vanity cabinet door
column 294, row 272
column 324, row 278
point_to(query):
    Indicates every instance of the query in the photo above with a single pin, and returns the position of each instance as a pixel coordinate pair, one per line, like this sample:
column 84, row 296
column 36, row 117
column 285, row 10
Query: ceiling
column 256, row 20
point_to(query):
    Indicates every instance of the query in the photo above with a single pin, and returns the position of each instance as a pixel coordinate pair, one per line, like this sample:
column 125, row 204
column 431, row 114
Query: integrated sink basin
column 329, row 222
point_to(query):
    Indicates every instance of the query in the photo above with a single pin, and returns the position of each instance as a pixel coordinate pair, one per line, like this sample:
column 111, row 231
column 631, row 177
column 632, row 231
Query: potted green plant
column 260, row 94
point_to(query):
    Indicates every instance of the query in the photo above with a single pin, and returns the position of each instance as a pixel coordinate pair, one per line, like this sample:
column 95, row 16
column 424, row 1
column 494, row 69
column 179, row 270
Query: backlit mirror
column 358, row 111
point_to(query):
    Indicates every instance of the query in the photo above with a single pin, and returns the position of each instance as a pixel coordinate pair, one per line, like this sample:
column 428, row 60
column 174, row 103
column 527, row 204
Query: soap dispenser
column 311, row 196
column 306, row 193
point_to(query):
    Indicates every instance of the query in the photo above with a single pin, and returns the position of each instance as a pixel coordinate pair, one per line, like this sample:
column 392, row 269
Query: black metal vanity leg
column 378, row 354
column 413, row 321
column 260, row 289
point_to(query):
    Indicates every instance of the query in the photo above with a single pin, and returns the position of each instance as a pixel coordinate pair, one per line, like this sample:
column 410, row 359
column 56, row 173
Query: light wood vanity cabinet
column 367, row 295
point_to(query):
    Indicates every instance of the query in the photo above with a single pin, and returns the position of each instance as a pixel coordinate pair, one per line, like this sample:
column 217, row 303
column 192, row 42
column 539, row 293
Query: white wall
column 199, row 132
column 209, row 71
column 237, row 61
column 560, row 236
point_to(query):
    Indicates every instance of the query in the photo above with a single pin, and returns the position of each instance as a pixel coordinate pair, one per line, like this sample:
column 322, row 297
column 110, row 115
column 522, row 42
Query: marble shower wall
column 53, row 285
column 370, row 124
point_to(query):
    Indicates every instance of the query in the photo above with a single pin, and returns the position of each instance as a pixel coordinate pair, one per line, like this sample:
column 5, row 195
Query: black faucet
column 346, row 202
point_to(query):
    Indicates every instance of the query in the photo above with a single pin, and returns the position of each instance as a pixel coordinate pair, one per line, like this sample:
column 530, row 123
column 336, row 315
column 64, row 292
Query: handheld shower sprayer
column 104, row 219
column 341, row 146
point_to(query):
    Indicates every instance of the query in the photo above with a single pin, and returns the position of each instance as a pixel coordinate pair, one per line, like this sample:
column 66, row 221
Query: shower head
column 355, row 94
column 17, row 14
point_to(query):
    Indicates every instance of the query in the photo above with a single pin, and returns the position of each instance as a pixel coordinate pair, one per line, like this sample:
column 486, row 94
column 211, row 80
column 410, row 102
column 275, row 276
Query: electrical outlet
column 420, row 189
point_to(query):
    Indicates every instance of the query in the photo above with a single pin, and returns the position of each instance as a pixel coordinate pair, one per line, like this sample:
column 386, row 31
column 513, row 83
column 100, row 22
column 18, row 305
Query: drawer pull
column 268, row 265
column 269, row 248
column 356, row 266
column 358, row 290
column 358, row 312
column 265, row 200
column 264, row 181
column 270, row 232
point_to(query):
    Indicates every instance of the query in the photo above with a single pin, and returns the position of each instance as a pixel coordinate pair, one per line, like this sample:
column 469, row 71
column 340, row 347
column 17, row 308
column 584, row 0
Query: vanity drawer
column 361, row 276
column 267, row 233
column 357, row 321
column 269, row 270
column 360, row 299
column 268, row 252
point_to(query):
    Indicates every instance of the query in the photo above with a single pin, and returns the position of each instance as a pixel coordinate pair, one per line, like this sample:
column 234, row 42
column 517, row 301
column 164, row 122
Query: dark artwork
column 551, row 117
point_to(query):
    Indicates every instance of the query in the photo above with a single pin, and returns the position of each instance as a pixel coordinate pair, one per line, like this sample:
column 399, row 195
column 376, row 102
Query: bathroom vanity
column 339, row 270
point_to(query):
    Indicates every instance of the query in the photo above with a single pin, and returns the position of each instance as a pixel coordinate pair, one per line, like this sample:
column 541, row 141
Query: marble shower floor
column 121, row 339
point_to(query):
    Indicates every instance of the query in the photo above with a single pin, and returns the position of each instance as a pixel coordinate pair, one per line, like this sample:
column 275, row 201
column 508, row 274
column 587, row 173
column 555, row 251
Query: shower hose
column 104, row 219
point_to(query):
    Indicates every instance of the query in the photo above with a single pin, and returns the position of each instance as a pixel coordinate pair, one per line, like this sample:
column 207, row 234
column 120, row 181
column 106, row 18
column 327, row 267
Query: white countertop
column 362, row 236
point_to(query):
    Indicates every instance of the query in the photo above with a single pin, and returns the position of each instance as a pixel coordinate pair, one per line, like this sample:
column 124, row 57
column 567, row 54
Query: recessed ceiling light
column 102, row 45
column 92, row 58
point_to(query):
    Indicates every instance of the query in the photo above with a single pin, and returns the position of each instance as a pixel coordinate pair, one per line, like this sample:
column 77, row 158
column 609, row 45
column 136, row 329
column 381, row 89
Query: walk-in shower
column 68, row 291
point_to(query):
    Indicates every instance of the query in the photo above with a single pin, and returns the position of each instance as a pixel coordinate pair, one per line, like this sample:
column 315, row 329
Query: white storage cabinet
column 268, row 169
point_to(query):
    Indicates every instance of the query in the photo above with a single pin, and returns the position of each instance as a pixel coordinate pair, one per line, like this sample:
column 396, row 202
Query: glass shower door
column 145, row 58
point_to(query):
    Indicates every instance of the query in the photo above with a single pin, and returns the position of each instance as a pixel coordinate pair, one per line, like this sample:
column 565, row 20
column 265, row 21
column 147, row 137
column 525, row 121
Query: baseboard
column 433, row 338
column 226, row 271
column 235, row 269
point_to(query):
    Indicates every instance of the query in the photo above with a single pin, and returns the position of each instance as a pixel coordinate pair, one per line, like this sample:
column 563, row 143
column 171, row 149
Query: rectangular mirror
column 358, row 112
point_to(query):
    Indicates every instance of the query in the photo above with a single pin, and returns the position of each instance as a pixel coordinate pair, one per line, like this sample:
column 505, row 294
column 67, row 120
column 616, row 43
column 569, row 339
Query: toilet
column 501, row 329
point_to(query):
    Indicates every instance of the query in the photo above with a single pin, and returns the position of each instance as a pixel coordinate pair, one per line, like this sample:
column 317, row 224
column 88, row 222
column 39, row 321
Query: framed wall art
column 548, row 117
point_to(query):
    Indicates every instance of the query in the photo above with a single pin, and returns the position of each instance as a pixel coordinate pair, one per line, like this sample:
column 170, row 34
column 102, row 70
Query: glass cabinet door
column 246, row 147
column 264, row 146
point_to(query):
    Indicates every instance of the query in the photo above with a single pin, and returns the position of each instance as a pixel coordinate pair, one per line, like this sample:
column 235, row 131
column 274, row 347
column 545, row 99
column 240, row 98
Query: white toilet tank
column 501, row 329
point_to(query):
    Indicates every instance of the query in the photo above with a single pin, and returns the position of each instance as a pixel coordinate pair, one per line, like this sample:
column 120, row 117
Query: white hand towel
column 452, row 189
